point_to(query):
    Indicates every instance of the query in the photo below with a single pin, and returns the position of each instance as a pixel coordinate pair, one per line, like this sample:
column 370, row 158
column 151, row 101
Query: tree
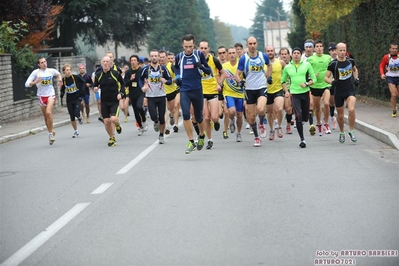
column 177, row 17
column 223, row 34
column 98, row 21
column 298, row 32
column 266, row 11
column 33, row 12
column 208, row 24
column 319, row 13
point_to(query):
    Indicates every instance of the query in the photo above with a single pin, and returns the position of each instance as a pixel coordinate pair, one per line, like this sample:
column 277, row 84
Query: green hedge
column 368, row 31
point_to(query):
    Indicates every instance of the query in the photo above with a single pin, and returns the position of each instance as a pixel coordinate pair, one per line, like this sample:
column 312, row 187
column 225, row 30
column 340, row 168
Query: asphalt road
column 80, row 202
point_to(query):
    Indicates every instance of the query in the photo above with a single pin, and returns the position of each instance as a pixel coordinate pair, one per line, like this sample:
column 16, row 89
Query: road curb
column 375, row 132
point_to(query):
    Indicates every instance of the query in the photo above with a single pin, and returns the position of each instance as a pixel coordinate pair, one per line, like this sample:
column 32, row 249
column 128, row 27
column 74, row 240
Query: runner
column 43, row 79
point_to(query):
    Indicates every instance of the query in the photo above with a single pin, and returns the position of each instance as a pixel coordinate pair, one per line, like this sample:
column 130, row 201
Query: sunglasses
column 222, row 53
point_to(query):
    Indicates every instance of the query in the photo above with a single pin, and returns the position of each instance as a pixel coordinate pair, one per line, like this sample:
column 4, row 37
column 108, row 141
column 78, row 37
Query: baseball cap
column 332, row 47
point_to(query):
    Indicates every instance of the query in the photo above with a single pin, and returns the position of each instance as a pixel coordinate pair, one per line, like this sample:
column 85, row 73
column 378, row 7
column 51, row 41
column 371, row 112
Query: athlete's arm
column 312, row 75
column 166, row 76
column 384, row 62
column 328, row 77
column 207, row 70
column 240, row 69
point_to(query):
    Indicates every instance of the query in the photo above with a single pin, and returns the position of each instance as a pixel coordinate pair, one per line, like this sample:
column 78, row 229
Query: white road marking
column 102, row 188
column 142, row 155
column 42, row 238
column 136, row 160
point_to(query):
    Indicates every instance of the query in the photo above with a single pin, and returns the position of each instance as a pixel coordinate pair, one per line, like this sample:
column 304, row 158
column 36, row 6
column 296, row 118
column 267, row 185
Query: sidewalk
column 373, row 118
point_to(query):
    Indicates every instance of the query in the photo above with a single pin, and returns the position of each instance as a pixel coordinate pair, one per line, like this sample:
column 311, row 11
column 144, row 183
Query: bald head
column 252, row 45
column 270, row 51
column 106, row 63
column 341, row 51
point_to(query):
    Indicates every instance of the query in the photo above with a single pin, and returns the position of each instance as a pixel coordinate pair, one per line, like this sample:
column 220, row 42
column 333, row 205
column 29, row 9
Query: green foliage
column 298, row 32
column 177, row 18
column 368, row 31
column 208, row 24
column 223, row 34
column 266, row 11
column 124, row 22
column 10, row 34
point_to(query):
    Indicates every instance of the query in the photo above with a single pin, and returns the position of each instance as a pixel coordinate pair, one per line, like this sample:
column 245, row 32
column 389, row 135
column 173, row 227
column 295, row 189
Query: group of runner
column 237, row 83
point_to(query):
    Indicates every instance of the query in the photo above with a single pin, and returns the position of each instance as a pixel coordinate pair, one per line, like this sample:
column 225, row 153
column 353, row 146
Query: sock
column 202, row 137
column 196, row 128
column 289, row 118
column 332, row 110
column 261, row 119
column 254, row 129
column 311, row 117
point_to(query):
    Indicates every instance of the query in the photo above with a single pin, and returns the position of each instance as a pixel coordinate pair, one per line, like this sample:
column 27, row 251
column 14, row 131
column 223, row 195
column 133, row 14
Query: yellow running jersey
column 230, row 86
column 276, row 76
column 170, row 88
column 209, row 82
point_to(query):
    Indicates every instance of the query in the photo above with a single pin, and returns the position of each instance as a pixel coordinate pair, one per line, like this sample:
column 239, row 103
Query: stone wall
column 11, row 110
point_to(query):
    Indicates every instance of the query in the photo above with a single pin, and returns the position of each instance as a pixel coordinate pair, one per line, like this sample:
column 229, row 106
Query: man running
column 233, row 94
column 43, row 79
column 136, row 95
column 389, row 71
column 152, row 79
column 112, row 91
column 344, row 71
column 211, row 86
column 275, row 94
column 252, row 64
column 298, row 71
column 320, row 89
column 85, row 104
column 189, row 66
column 332, row 50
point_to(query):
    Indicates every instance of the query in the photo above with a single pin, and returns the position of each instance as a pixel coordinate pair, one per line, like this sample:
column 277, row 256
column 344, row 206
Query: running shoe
column 51, row 138
column 232, row 126
column 262, row 131
column 112, row 142
column 126, row 120
column 275, row 124
column 342, row 137
column 302, row 144
column 80, row 121
column 190, row 147
column 171, row 120
column 257, row 142
column 217, row 126
column 279, row 132
column 101, row 119
column 238, row 137
column 251, row 131
column 167, row 131
column 161, row 140
column 352, row 136
column 75, row 134
column 210, row 145
column 212, row 125
column 225, row 136
column 271, row 136
column 288, row 130
column 200, row 144
column 320, row 130
column 394, row 113
column 141, row 131
column 247, row 126
column 327, row 129
column 312, row 130
column 145, row 125
column 156, row 126
column 88, row 120
column 175, row 128
column 334, row 122
column 137, row 125
column 118, row 128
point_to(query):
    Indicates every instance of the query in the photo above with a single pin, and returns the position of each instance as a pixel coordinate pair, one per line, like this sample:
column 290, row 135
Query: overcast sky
column 237, row 12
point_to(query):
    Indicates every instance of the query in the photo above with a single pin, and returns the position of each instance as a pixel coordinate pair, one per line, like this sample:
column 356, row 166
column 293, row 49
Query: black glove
column 199, row 65
column 178, row 80
column 357, row 82
column 242, row 84
column 270, row 80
